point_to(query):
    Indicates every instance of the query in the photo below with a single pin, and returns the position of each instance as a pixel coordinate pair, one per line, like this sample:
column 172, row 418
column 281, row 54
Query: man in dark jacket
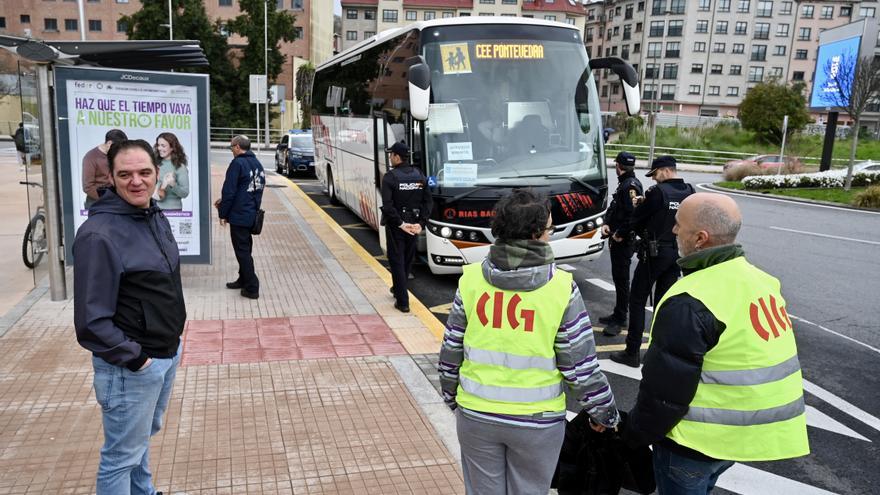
column 618, row 231
column 129, row 312
column 238, row 205
column 406, row 205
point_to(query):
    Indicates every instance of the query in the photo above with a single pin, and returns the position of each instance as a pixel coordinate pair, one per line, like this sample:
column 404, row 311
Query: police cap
column 661, row 162
column 400, row 149
column 626, row 159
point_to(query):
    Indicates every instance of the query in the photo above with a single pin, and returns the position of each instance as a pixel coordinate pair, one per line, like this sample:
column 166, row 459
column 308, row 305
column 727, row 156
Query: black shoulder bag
column 258, row 220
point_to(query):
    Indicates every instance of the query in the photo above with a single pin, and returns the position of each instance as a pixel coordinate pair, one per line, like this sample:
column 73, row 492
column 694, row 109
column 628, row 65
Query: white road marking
column 731, row 193
column 744, row 479
column 819, row 419
column 568, row 268
column 610, row 366
column 841, row 404
column 820, row 327
column 598, row 282
column 816, row 234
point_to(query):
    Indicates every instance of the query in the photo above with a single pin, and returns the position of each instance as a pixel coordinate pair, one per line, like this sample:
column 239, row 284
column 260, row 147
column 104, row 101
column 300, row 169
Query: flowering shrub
column 829, row 178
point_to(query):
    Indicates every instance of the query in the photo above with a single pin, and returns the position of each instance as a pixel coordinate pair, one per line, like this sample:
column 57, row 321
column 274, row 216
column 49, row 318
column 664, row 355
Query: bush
column 831, row 178
column 740, row 172
column 869, row 198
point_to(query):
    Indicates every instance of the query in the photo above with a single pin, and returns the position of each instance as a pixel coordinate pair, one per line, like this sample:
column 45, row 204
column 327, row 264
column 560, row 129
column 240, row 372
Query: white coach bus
column 486, row 104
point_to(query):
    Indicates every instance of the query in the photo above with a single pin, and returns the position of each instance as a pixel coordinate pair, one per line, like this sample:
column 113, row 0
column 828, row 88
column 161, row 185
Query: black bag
column 592, row 463
column 258, row 223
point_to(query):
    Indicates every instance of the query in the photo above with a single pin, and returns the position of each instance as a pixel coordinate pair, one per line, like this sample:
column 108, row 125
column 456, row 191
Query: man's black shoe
column 250, row 295
column 233, row 285
column 611, row 331
column 623, row 357
column 612, row 319
column 402, row 308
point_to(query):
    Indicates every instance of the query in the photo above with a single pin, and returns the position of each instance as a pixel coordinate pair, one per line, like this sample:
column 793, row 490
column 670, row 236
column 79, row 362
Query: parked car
column 866, row 166
column 295, row 153
column 765, row 161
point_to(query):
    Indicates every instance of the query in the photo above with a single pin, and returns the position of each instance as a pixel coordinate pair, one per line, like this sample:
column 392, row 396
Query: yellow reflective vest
column 509, row 362
column 749, row 404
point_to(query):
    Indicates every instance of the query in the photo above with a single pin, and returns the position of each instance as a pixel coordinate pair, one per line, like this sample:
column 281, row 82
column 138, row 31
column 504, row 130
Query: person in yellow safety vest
column 721, row 380
column 518, row 340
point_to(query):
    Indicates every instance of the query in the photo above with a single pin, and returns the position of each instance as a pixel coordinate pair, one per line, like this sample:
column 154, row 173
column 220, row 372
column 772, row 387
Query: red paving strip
column 283, row 339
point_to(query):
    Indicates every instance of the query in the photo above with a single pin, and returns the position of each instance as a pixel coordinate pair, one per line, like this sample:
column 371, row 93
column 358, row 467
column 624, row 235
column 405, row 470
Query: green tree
column 765, row 106
column 305, row 75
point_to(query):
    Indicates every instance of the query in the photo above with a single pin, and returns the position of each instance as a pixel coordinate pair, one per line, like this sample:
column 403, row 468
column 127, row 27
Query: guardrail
column 705, row 157
column 226, row 134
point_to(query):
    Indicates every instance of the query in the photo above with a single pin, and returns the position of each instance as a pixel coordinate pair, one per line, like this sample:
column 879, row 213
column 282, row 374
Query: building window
column 652, row 71
column 49, row 24
column 694, row 89
column 738, row 48
column 650, row 92
column 807, row 12
column 25, row 19
column 756, row 74
column 765, row 9
column 716, row 69
column 696, row 68
column 800, row 54
column 351, row 35
column 369, row 34
column 782, row 30
column 733, row 91
column 786, row 8
column 412, row 15
column 670, row 71
column 627, row 32
column 637, row 48
column 121, row 26
column 762, row 30
column 845, row 11
column 804, row 34
column 430, row 14
column 296, row 4
column 71, row 25
column 759, row 53
column 776, row 72
column 704, row 5
column 616, row 30
column 675, row 28
column 676, row 7
column 723, row 5
column 224, row 3
column 448, row 15
column 94, row 24
column 667, row 92
column 719, row 48
column 389, row 15
column 553, row 18
column 508, row 2
column 699, row 46
column 827, row 13
column 624, row 52
column 714, row 90
column 351, row 14
column 488, row 1
column 867, row 11
column 673, row 48
column 297, row 32
column 741, row 28
column 654, row 50
column 370, row 15
column 721, row 27
column 638, row 27
column 736, row 70
column 779, row 50
column 658, row 7
column 703, row 26
column 797, row 75
column 656, row 29
column 628, row 14
column 743, row 7
column 640, row 7
column 604, row 90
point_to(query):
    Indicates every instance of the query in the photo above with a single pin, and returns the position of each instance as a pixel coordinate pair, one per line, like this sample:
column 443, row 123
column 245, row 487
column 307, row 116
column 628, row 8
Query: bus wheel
column 331, row 188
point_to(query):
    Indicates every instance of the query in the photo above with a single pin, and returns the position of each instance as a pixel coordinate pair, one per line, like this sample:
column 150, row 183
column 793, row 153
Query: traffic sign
column 258, row 91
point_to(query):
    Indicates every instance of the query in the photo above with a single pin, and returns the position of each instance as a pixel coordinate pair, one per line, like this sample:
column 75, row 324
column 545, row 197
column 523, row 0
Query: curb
column 417, row 308
column 788, row 198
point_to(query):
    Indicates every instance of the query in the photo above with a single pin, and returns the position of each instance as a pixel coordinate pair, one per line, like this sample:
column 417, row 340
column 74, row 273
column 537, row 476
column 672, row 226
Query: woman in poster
column 173, row 173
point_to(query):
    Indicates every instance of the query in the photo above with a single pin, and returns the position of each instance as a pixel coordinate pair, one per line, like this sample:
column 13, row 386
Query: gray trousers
column 507, row 460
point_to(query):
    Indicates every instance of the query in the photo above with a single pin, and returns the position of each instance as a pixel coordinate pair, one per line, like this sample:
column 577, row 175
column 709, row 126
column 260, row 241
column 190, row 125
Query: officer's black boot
column 630, row 359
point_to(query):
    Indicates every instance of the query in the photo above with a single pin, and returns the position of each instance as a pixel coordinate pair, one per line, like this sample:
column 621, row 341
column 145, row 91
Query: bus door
column 383, row 164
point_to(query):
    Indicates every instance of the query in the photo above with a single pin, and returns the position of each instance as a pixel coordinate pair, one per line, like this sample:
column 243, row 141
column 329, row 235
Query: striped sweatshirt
column 585, row 385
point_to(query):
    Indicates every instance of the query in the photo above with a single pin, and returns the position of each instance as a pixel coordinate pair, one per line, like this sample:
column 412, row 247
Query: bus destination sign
column 509, row 51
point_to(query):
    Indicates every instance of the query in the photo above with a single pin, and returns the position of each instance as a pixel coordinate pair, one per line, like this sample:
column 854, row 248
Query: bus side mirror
column 419, row 77
column 628, row 79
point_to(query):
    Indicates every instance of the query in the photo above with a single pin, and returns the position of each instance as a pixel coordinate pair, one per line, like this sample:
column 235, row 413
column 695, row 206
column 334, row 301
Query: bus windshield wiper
column 560, row 176
column 471, row 191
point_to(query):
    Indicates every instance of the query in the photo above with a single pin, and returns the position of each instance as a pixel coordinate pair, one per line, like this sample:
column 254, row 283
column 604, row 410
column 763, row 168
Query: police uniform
column 405, row 199
column 618, row 219
column 653, row 220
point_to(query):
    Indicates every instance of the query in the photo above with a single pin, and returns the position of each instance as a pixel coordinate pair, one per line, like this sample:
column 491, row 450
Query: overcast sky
column 337, row 7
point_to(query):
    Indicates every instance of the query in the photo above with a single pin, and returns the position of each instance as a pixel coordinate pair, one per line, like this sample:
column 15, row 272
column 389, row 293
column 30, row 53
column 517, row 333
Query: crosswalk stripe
column 442, row 308
column 567, row 267
column 598, row 282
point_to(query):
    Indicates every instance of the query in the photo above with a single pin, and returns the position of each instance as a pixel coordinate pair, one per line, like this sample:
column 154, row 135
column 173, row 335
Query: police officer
column 406, row 204
column 617, row 229
column 653, row 219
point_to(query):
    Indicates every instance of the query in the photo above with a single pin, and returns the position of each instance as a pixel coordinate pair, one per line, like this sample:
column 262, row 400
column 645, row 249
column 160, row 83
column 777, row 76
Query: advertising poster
column 831, row 55
column 167, row 110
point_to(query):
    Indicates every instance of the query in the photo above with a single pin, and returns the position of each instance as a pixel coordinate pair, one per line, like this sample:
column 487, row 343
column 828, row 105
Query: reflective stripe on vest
column 511, row 361
column 749, row 403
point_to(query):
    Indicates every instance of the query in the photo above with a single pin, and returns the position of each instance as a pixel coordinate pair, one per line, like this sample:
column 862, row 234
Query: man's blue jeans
column 132, row 405
column 680, row 475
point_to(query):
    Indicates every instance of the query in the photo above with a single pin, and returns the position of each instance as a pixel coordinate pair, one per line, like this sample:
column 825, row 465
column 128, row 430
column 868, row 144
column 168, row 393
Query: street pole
column 57, row 283
column 782, row 150
column 170, row 22
column 266, row 65
column 82, row 20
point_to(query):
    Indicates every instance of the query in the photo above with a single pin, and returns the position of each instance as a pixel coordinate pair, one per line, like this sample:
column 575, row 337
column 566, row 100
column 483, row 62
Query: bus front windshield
column 511, row 104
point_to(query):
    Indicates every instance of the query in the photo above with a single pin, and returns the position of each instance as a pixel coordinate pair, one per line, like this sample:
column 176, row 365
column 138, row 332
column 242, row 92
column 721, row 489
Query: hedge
column 830, row 178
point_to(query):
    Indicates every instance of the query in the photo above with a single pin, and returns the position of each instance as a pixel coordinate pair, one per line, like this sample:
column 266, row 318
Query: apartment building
column 364, row 18
column 700, row 57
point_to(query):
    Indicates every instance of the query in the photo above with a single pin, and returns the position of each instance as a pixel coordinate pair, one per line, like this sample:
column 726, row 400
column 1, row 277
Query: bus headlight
column 600, row 221
column 446, row 232
column 579, row 229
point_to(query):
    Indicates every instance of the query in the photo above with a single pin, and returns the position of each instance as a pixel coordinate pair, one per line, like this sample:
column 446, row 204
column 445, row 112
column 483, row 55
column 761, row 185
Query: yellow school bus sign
column 456, row 58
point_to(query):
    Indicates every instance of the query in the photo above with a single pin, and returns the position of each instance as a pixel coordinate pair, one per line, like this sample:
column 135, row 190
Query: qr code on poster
column 185, row 228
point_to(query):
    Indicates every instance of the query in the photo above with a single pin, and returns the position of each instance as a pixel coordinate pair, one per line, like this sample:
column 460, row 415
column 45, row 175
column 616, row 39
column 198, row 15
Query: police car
column 295, row 153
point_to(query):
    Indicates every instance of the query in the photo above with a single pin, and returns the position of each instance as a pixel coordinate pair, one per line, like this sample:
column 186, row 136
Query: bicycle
column 35, row 244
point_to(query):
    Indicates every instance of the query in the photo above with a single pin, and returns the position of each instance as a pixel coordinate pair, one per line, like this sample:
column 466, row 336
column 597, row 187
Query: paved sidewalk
column 310, row 389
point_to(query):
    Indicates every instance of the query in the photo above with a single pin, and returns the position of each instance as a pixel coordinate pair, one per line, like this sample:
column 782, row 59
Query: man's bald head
column 706, row 220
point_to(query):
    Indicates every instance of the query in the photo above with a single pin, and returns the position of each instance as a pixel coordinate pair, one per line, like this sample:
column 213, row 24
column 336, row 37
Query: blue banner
column 825, row 89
